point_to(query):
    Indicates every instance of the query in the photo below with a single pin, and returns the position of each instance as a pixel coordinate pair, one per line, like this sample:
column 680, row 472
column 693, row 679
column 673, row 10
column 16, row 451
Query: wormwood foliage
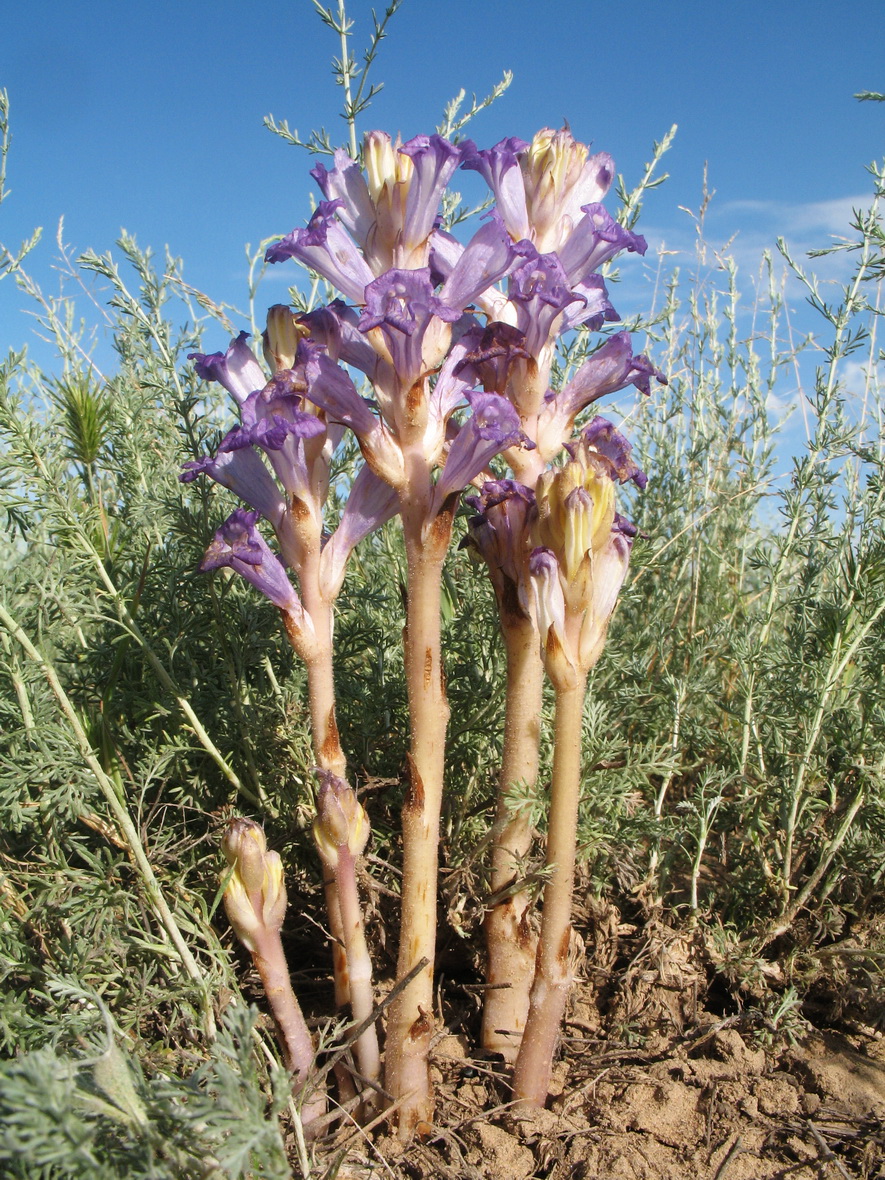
column 734, row 737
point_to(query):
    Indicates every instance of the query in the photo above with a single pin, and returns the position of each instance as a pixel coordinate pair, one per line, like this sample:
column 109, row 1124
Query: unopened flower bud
column 255, row 896
column 385, row 166
column 245, row 849
column 281, row 337
column 341, row 820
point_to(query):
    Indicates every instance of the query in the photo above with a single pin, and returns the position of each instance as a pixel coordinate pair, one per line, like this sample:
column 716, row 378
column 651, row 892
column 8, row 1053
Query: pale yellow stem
column 510, row 942
column 531, row 1080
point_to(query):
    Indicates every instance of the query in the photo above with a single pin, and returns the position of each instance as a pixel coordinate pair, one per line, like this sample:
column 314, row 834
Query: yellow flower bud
column 245, row 847
column 255, row 896
column 386, row 167
column 341, row 820
column 281, row 337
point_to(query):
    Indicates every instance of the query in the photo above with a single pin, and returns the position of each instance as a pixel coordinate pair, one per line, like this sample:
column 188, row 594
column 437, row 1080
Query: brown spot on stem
column 511, row 608
column 414, row 800
column 414, row 400
column 562, row 953
column 298, row 509
column 422, row 1026
column 330, row 751
column 428, row 668
column 440, row 532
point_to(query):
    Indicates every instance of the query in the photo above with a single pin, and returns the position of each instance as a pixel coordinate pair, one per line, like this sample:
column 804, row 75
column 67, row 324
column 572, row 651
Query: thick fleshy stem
column 318, row 658
column 341, row 831
column 410, row 1024
column 510, row 941
column 553, row 980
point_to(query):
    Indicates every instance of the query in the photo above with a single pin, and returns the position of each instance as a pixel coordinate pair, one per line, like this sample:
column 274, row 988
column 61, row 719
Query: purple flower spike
column 237, row 369
column 434, row 160
column 346, row 183
column 491, row 428
column 611, row 445
column 370, row 504
column 326, row 248
column 244, row 473
column 239, row 545
column 499, row 167
column 595, row 239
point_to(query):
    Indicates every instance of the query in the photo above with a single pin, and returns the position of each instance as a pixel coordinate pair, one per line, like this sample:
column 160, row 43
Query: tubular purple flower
column 274, row 422
column 611, row 368
column 591, row 306
column 434, row 160
column 491, row 428
column 488, row 256
column 500, row 531
column 493, row 358
column 540, row 291
column 237, row 369
column 413, row 333
column 330, row 388
column 600, row 435
column 325, row 247
column 336, row 328
column 243, row 472
column 499, row 167
column 239, row 545
column 595, row 239
column 346, row 183
column 370, row 504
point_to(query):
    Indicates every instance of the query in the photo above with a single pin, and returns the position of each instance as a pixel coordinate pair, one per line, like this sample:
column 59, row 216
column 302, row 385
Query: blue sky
column 148, row 115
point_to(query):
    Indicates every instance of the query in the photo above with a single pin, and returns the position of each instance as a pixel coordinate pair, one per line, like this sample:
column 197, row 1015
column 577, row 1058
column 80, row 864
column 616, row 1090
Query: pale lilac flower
column 411, row 318
column 539, row 291
column 336, row 328
column 601, row 437
column 541, row 187
column 500, row 534
column 488, row 256
column 611, row 368
column 499, row 167
column 370, row 503
column 274, row 421
column 239, row 545
column 326, row 247
column 595, row 239
column 492, row 427
column 346, row 185
column 237, row 369
column 493, row 358
column 434, row 160
column 330, row 388
column 243, row 472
